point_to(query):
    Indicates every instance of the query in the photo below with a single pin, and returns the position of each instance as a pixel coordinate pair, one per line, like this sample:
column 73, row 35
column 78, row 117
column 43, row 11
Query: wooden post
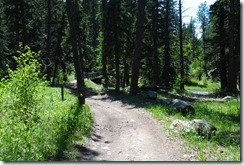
column 62, row 91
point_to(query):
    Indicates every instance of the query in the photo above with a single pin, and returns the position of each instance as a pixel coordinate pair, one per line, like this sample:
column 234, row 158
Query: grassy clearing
column 225, row 146
column 93, row 86
column 205, row 85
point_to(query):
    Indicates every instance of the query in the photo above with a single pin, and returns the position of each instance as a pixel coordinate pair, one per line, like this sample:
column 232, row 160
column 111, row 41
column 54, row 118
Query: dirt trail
column 123, row 132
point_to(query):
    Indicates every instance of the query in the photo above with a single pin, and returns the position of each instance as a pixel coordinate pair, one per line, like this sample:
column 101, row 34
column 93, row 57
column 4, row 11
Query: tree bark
column 138, row 45
column 117, row 68
column 232, row 73
column 155, row 43
column 223, row 71
column 166, row 67
column 182, row 74
column 71, row 12
column 49, row 17
column 104, row 44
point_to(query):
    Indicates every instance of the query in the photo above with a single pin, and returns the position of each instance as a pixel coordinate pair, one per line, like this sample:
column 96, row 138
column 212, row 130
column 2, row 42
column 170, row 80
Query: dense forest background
column 130, row 43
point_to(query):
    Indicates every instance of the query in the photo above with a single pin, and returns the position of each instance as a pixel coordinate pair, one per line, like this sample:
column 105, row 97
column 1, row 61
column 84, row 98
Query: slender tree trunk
column 204, row 48
column 49, row 17
column 232, row 73
column 182, row 74
column 166, row 67
column 223, row 72
column 104, row 44
column 55, row 71
column 138, row 45
column 155, row 43
column 71, row 12
column 58, row 54
column 117, row 69
column 126, row 75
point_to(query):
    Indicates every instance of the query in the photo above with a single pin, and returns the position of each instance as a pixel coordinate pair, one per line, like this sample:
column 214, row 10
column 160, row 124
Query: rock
column 204, row 128
column 180, row 125
column 198, row 126
column 183, row 107
column 152, row 95
column 163, row 101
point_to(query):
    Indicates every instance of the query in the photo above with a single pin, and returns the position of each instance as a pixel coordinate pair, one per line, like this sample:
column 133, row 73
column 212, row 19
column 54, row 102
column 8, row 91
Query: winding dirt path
column 123, row 132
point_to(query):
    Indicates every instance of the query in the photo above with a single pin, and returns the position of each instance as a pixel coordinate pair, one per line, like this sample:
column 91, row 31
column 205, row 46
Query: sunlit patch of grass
column 205, row 85
column 95, row 87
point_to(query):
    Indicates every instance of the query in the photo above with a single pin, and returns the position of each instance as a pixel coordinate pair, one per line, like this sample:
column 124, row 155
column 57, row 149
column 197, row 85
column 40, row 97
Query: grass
column 225, row 146
column 60, row 122
column 204, row 85
column 93, row 86
column 35, row 124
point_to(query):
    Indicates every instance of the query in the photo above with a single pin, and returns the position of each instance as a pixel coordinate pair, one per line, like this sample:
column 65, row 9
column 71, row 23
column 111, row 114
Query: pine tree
column 73, row 12
column 138, row 46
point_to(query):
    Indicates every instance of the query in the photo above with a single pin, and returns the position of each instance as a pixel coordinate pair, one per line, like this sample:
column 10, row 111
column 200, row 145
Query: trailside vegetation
column 36, row 125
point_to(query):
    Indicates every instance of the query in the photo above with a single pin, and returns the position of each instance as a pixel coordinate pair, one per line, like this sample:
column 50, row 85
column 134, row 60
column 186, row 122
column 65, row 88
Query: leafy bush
column 23, row 86
column 35, row 124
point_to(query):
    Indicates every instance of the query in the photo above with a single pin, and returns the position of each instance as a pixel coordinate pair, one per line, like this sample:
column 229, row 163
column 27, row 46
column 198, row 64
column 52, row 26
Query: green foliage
column 35, row 124
column 23, row 87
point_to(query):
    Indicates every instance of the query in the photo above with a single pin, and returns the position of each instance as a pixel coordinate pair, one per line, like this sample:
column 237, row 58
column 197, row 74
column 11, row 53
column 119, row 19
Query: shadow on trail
column 84, row 153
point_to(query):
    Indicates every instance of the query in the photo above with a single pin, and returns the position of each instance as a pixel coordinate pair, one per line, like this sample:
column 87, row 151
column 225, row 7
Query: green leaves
column 23, row 86
column 34, row 123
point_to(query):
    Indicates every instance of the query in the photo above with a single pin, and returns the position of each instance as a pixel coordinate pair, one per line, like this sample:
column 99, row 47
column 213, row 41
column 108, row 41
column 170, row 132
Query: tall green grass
column 59, row 123
column 35, row 124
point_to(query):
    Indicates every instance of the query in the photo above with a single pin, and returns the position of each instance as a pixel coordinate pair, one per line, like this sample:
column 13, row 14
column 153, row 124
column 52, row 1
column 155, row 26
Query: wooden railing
column 91, row 75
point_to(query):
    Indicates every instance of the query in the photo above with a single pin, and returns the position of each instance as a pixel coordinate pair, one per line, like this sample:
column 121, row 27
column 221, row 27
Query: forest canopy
column 130, row 43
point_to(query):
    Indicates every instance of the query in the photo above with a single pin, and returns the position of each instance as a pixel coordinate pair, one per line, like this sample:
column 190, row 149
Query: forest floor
column 125, row 132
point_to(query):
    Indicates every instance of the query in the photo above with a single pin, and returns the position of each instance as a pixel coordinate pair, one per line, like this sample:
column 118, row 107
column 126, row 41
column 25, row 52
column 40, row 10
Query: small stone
column 183, row 107
column 163, row 101
column 152, row 95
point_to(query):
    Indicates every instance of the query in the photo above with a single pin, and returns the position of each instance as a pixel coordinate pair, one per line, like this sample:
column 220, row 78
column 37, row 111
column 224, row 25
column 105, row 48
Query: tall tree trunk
column 117, row 68
column 71, row 12
column 138, row 45
column 58, row 54
column 49, row 17
column 223, row 72
column 232, row 73
column 182, row 83
column 126, row 75
column 155, row 43
column 104, row 44
column 204, row 48
column 117, row 42
column 166, row 67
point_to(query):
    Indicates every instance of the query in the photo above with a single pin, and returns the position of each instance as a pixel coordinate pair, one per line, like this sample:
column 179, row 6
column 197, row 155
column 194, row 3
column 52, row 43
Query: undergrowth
column 35, row 125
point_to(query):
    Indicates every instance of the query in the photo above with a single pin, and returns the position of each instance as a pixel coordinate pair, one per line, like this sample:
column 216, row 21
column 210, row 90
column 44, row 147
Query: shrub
column 35, row 124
